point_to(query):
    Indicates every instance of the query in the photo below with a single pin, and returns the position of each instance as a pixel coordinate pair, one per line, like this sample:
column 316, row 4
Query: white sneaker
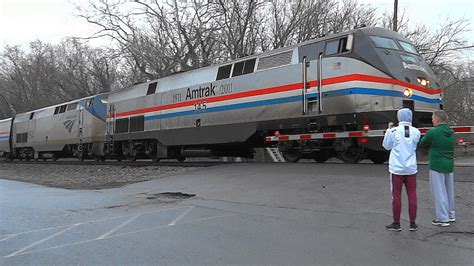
column 452, row 220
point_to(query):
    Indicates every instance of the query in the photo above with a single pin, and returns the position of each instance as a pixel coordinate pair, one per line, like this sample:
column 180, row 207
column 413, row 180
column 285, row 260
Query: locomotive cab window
column 338, row 46
column 223, row 72
column 56, row 110
column 382, row 42
column 32, row 115
column 408, row 47
column 89, row 103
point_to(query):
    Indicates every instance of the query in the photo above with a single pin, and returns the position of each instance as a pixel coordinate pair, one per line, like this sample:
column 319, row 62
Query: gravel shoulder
column 86, row 176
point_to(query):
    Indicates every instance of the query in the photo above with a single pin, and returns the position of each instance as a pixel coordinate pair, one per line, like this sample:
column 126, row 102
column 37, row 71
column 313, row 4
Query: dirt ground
column 86, row 176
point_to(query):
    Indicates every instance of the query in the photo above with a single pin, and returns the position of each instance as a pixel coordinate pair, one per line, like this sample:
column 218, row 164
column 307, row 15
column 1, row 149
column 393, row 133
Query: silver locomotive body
column 73, row 129
column 336, row 83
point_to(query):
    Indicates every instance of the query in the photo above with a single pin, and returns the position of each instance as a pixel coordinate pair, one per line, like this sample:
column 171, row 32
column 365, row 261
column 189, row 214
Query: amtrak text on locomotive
column 201, row 92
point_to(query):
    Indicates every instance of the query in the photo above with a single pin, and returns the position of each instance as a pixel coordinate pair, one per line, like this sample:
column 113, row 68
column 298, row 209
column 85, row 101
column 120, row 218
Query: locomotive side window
column 56, row 110
column 238, row 69
column 249, row 66
column 336, row 46
column 383, row 42
column 71, row 106
column 244, row 67
column 31, row 115
column 331, row 47
column 151, row 88
column 137, row 123
column 410, row 48
column 121, row 125
column 62, row 109
column 223, row 72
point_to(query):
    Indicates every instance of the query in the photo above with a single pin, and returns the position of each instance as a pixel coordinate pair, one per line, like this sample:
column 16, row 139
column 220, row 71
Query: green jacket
column 440, row 141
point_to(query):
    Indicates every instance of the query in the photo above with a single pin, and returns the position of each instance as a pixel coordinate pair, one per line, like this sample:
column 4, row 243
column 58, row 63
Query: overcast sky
column 22, row 21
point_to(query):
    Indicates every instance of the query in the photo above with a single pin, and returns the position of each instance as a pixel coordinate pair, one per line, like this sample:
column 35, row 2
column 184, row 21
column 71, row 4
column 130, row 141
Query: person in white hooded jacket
column 402, row 141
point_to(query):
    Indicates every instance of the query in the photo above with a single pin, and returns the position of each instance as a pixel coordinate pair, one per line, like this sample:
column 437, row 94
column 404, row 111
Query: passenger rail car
column 5, row 126
column 342, row 82
column 72, row 129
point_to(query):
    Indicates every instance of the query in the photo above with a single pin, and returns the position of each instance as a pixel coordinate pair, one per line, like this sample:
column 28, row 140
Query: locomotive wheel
column 351, row 155
column 181, row 158
column 321, row 156
column 292, row 155
column 379, row 157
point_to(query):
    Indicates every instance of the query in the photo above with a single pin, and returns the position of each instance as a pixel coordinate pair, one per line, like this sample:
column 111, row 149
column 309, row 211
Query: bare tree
column 51, row 74
column 459, row 93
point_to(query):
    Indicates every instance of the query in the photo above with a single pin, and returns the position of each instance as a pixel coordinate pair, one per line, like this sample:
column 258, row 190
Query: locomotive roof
column 366, row 30
column 59, row 104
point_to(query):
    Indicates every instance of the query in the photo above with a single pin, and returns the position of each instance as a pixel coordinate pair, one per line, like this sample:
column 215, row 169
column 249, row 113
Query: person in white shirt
column 402, row 141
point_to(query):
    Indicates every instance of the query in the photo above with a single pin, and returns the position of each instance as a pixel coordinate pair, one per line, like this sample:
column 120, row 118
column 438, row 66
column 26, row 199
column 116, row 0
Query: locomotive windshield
column 382, row 42
column 407, row 47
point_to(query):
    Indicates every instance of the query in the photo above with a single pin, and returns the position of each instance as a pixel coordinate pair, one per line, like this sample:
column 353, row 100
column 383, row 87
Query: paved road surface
column 303, row 213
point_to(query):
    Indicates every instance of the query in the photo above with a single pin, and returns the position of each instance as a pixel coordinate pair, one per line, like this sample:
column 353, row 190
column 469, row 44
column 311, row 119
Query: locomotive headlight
column 407, row 92
column 423, row 81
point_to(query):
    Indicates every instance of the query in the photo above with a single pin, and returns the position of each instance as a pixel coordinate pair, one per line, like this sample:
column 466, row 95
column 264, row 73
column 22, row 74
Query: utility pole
column 395, row 12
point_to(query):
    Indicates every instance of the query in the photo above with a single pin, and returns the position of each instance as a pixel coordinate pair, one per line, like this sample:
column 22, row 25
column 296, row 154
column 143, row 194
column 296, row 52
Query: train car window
column 56, row 110
column 383, row 42
column 137, row 123
column 249, row 66
column 151, row 88
column 121, row 125
column 32, row 115
column 223, row 72
column 410, row 48
column 72, row 106
column 62, row 109
column 331, row 47
column 238, row 69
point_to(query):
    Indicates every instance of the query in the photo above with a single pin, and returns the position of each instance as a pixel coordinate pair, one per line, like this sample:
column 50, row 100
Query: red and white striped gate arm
column 355, row 134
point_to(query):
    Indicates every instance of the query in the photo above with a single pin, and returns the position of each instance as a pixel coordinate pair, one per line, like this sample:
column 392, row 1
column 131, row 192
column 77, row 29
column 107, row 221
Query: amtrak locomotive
column 343, row 82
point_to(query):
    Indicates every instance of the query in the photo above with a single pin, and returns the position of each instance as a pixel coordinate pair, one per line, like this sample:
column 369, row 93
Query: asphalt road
column 303, row 213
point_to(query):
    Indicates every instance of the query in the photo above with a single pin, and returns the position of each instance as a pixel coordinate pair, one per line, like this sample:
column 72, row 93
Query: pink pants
column 410, row 185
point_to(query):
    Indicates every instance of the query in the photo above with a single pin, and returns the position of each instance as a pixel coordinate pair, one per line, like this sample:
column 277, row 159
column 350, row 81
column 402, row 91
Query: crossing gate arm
column 355, row 134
